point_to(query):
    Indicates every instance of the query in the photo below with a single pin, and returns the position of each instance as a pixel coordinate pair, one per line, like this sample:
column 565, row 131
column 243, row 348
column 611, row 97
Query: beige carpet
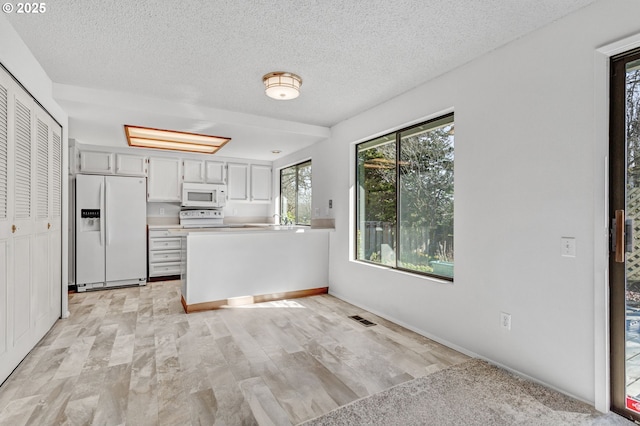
column 471, row 393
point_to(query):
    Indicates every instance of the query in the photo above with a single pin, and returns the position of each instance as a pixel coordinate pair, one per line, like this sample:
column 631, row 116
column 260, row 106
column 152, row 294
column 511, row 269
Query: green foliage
column 295, row 194
column 633, row 127
column 419, row 268
column 426, row 179
column 425, row 195
column 377, row 176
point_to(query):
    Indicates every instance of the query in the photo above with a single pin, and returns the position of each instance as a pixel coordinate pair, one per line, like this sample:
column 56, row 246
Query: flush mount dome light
column 282, row 85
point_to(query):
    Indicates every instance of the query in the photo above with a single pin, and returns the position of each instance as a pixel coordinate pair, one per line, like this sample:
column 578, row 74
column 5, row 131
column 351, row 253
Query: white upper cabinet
column 131, row 165
column 96, row 162
column 164, row 180
column 249, row 182
column 203, row 171
column 246, row 182
column 238, row 182
column 193, row 171
column 260, row 183
column 103, row 163
column 215, row 172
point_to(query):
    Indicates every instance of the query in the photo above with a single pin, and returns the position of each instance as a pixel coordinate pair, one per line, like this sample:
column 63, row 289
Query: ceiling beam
column 121, row 100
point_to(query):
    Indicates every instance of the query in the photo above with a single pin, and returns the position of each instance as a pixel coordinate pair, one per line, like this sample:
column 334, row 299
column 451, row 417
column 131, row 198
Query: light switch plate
column 568, row 247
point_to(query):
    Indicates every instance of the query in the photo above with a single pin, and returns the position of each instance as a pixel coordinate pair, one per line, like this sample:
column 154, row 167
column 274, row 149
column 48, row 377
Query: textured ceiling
column 351, row 55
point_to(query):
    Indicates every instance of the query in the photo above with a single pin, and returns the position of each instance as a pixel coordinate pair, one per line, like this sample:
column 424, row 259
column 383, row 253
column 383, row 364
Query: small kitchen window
column 295, row 194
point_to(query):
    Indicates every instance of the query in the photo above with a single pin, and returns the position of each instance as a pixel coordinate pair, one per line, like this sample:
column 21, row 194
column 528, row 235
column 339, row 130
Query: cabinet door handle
column 48, row 226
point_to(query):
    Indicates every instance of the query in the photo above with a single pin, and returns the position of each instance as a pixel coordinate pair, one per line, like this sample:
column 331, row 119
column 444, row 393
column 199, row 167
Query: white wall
column 18, row 59
column 529, row 170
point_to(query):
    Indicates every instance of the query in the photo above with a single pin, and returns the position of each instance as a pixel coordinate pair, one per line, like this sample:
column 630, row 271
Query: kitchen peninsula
column 243, row 265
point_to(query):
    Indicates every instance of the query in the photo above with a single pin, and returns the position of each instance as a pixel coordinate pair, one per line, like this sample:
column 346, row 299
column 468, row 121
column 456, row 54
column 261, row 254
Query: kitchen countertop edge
column 249, row 230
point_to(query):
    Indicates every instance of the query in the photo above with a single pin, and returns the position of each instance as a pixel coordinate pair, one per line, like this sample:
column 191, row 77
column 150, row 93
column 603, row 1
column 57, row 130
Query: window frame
column 398, row 136
column 297, row 166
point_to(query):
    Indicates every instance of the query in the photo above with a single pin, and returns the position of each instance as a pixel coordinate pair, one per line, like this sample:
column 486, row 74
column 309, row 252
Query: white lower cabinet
column 164, row 253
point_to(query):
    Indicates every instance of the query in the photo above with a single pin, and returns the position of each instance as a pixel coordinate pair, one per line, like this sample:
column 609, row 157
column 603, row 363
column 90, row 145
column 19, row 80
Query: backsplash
column 242, row 211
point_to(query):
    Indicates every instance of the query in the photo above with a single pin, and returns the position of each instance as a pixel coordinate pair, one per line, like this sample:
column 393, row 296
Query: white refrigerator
column 111, row 231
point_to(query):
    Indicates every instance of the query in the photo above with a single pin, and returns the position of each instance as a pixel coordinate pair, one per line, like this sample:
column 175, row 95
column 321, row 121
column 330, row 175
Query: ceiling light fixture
column 145, row 137
column 282, row 85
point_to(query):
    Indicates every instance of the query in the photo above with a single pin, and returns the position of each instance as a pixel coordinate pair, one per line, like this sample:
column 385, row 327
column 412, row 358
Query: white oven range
column 201, row 218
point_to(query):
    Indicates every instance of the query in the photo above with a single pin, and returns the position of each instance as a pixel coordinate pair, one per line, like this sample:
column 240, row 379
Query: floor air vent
column 362, row 321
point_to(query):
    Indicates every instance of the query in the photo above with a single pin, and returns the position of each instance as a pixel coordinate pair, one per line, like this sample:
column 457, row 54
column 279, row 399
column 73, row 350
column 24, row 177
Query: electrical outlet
column 161, row 211
column 505, row 321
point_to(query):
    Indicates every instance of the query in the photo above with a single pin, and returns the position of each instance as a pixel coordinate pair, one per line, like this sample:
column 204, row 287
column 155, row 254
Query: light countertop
column 247, row 228
column 176, row 226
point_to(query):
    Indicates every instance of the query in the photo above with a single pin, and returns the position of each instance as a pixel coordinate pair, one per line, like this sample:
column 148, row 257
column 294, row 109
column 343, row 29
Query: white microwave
column 203, row 195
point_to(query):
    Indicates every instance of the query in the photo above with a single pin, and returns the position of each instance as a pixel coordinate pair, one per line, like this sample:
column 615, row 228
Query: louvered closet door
column 23, row 218
column 6, row 311
column 30, row 223
column 41, row 261
column 55, row 233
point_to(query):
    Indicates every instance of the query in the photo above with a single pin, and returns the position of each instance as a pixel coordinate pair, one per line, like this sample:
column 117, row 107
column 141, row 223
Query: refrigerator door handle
column 102, row 218
column 106, row 196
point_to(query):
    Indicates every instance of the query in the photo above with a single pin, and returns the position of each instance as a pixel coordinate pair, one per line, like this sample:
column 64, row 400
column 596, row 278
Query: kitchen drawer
column 164, row 243
column 164, row 256
column 159, row 233
column 165, row 268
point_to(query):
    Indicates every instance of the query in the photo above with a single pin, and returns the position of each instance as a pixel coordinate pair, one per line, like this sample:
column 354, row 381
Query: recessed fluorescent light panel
column 145, row 137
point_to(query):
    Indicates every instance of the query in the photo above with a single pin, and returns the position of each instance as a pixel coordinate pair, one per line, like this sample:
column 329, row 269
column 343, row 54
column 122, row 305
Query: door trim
column 617, row 202
column 600, row 141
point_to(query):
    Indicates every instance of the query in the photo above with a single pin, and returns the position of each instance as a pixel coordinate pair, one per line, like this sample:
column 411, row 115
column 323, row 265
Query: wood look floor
column 132, row 356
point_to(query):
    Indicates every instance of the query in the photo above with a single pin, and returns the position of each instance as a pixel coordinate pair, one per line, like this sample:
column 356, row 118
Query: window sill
column 418, row 275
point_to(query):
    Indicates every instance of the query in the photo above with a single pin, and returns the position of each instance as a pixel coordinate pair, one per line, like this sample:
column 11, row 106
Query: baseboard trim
column 249, row 300
column 458, row 348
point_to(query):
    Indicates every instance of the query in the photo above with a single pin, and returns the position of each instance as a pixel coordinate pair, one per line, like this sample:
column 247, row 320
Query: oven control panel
column 204, row 214
column 201, row 218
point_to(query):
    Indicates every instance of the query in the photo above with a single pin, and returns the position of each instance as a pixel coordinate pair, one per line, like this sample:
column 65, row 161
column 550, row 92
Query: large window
column 295, row 194
column 404, row 203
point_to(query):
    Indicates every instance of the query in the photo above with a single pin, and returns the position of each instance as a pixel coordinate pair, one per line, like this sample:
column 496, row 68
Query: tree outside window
column 295, row 194
column 405, row 206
